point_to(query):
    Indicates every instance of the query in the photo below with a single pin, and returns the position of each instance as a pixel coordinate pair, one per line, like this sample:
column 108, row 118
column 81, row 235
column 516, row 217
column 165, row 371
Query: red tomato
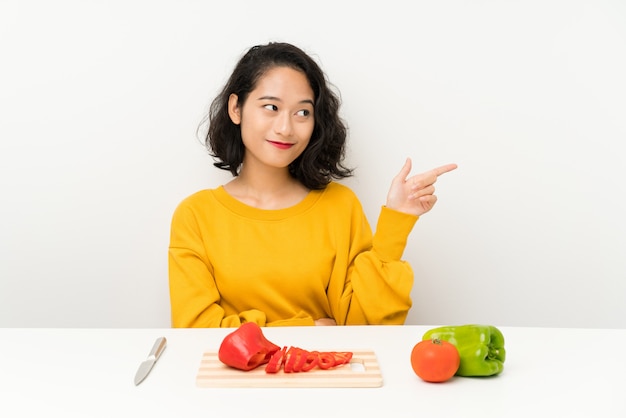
column 435, row 360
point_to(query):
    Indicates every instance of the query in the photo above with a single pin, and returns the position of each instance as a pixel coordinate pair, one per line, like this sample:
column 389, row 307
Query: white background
column 100, row 101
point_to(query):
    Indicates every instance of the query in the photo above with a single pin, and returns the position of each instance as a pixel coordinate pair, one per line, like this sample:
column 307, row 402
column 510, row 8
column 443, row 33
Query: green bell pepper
column 481, row 347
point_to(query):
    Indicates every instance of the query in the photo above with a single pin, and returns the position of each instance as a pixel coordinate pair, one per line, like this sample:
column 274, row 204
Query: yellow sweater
column 231, row 263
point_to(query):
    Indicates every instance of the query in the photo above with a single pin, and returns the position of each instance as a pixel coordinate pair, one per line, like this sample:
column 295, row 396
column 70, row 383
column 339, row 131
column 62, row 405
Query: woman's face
column 276, row 119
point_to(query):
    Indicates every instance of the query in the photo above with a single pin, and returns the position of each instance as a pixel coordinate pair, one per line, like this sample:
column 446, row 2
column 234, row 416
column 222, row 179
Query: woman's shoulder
column 339, row 188
column 340, row 192
column 200, row 198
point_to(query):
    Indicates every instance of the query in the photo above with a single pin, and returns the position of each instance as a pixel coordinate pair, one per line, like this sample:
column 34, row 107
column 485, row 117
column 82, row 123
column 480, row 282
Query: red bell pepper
column 246, row 348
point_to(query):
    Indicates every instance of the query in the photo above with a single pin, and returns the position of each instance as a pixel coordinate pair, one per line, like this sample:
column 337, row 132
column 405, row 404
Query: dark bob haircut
column 322, row 160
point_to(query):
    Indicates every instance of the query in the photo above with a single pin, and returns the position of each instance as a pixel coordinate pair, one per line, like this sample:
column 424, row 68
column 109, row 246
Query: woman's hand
column 325, row 321
column 415, row 195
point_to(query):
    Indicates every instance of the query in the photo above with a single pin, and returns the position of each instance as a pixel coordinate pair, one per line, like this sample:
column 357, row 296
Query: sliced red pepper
column 291, row 359
column 301, row 361
column 310, row 361
column 341, row 357
column 325, row 360
column 246, row 348
column 276, row 361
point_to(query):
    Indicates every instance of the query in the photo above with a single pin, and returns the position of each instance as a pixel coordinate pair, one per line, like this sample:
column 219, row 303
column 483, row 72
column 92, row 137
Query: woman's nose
column 283, row 124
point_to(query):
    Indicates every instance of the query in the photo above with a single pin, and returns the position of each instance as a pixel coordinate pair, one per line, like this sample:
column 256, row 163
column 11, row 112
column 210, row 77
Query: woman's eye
column 303, row 112
column 271, row 107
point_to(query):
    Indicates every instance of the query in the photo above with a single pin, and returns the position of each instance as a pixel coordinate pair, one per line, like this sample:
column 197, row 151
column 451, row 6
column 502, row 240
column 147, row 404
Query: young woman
column 283, row 243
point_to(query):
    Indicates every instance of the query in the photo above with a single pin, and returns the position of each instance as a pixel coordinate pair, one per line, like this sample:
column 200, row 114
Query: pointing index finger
column 444, row 169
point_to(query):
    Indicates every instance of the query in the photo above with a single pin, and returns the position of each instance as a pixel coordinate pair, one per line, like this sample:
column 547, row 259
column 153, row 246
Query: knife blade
column 146, row 366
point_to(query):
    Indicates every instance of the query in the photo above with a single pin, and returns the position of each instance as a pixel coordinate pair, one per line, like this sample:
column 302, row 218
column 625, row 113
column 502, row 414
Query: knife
column 146, row 365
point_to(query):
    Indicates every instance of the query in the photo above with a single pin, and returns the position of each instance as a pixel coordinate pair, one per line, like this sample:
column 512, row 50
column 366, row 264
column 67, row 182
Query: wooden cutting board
column 363, row 371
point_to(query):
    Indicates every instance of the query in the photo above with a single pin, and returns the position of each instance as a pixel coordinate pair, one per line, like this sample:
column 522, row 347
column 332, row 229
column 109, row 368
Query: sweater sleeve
column 377, row 289
column 194, row 297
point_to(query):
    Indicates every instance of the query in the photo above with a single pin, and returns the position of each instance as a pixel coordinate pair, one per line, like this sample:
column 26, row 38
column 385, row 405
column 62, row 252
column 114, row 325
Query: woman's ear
column 233, row 109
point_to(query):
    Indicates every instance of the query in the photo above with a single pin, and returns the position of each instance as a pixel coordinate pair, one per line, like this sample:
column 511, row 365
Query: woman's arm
column 378, row 282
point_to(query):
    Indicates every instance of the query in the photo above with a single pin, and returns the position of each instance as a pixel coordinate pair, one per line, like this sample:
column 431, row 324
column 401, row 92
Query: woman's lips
column 281, row 145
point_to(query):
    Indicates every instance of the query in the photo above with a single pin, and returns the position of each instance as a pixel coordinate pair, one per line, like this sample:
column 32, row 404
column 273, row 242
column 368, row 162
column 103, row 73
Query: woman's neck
column 267, row 189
